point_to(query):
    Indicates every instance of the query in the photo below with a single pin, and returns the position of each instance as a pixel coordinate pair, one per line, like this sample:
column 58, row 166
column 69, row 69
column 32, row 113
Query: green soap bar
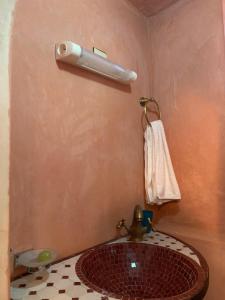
column 44, row 256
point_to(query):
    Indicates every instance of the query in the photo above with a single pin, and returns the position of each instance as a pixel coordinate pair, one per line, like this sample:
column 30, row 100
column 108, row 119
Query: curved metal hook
column 143, row 102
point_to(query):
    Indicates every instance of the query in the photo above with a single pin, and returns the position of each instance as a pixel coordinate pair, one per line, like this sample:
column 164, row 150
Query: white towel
column 160, row 181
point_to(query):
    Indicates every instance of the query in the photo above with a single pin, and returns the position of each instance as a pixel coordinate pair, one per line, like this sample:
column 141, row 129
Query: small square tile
column 50, row 284
column 63, row 284
column 53, row 277
column 33, row 293
column 68, row 271
column 94, row 296
column 31, row 297
column 47, row 293
column 62, row 297
column 77, row 291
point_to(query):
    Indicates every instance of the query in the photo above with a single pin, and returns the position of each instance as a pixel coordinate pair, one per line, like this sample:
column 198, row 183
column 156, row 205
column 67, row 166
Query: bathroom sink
column 141, row 271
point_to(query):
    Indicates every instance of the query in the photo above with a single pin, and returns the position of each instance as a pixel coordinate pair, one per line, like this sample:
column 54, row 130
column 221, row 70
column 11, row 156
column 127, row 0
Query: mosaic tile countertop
column 60, row 282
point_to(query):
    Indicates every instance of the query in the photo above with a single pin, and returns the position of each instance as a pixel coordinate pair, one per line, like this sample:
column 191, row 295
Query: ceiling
column 152, row 7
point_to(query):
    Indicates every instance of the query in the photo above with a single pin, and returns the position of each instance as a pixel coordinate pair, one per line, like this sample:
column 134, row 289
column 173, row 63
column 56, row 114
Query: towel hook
column 144, row 101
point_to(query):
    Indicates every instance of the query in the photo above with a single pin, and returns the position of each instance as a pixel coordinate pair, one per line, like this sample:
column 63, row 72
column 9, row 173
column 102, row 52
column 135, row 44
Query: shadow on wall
column 164, row 210
column 94, row 77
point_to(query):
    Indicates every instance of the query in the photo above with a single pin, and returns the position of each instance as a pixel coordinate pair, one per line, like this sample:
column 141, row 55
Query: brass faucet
column 137, row 230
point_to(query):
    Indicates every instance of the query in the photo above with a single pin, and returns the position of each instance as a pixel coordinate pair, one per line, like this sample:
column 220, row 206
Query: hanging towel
column 160, row 181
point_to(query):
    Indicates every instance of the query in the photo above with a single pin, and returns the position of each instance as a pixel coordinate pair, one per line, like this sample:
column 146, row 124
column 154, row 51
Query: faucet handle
column 150, row 222
column 120, row 224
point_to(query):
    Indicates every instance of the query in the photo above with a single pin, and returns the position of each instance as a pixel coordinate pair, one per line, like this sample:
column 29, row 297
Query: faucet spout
column 137, row 230
column 138, row 213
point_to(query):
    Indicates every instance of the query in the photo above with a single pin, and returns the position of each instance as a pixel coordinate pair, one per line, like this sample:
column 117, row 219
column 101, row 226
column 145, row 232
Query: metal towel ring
column 143, row 102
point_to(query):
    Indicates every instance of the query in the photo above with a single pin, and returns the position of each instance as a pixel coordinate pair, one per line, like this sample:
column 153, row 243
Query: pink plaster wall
column 76, row 138
column 187, row 71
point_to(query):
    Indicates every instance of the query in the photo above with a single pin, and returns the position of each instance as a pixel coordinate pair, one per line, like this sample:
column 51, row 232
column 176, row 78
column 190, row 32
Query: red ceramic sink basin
column 141, row 271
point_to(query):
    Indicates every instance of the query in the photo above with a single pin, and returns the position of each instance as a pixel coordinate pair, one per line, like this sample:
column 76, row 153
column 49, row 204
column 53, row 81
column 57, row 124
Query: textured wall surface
column 6, row 11
column 188, row 67
column 76, row 138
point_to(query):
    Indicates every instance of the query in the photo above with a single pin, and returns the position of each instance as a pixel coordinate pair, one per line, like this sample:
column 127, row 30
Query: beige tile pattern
column 57, row 288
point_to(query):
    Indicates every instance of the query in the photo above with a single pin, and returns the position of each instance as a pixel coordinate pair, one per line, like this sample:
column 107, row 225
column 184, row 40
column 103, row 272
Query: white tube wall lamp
column 71, row 53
